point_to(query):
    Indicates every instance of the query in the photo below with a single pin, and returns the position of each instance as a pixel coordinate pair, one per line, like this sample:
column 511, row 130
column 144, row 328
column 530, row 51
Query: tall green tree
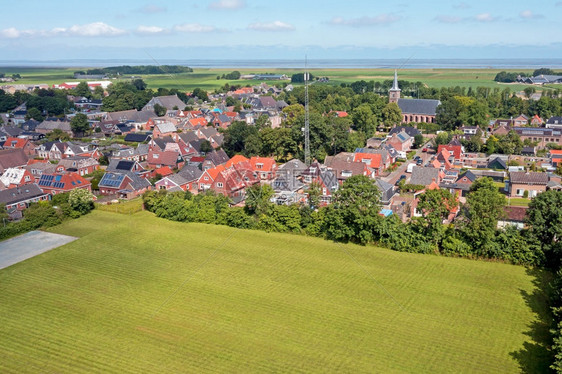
column 480, row 215
column 434, row 206
column 354, row 212
column 391, row 114
column 79, row 124
column 544, row 218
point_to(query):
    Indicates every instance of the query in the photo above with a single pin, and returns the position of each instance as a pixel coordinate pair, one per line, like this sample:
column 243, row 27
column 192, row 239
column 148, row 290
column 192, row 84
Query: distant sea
column 313, row 64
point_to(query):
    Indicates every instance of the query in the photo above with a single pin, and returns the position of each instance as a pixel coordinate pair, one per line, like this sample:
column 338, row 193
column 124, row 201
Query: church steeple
column 394, row 93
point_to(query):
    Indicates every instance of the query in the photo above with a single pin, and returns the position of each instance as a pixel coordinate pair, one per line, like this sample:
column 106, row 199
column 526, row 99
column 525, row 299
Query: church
column 413, row 110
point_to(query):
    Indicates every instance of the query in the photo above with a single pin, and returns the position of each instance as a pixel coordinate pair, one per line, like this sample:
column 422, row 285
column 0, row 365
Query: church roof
column 418, row 106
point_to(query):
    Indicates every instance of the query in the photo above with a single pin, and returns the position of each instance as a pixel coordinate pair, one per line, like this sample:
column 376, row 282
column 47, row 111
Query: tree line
column 139, row 69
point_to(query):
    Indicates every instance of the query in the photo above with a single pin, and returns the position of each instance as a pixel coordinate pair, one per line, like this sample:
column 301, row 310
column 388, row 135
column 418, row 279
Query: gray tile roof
column 424, row 175
column 18, row 194
column 533, row 178
column 412, row 131
column 418, row 106
column 190, row 172
column 217, row 157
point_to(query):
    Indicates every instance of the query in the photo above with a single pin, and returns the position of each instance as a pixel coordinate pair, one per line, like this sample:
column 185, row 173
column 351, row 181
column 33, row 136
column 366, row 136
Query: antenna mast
column 306, row 119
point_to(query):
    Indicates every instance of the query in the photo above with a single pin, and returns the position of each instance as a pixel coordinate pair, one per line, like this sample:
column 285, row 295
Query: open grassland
column 206, row 78
column 140, row 294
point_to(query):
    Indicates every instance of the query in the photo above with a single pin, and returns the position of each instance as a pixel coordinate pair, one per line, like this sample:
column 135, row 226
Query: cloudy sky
column 252, row 29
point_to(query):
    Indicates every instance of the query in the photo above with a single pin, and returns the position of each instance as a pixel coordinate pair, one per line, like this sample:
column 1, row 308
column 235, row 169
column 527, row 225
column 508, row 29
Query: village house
column 532, row 182
column 541, row 135
column 48, row 126
column 555, row 156
column 425, row 176
column 208, row 176
column 214, row 159
column 12, row 158
column 16, row 177
column 170, row 102
column 264, row 167
column 158, row 159
column 25, row 144
column 19, row 198
column 402, row 142
column 59, row 183
column 78, row 164
column 372, row 160
column 163, row 129
column 232, row 182
column 125, row 185
column 347, row 169
column 513, row 216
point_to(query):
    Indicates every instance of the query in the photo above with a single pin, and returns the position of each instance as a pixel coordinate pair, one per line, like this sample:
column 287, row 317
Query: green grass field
column 140, row 294
column 206, row 78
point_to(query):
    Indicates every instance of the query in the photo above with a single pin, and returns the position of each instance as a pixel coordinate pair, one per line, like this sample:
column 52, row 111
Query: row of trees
column 354, row 217
column 139, row 69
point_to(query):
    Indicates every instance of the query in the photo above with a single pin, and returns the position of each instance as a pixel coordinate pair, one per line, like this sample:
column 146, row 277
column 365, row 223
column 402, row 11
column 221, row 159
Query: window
column 162, row 187
column 27, row 178
column 519, row 192
column 259, row 166
column 219, row 184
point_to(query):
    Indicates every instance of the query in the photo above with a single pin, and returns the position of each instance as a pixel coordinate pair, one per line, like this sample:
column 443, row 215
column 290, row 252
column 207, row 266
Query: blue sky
column 251, row 29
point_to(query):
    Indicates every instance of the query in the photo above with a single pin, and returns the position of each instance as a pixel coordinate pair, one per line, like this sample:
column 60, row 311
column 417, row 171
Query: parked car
column 424, row 149
column 402, row 177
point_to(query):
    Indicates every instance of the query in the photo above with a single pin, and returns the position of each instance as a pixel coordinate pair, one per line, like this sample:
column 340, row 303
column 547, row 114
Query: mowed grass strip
column 140, row 294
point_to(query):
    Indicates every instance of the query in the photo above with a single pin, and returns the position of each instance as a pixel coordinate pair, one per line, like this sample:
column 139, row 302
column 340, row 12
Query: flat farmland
column 136, row 293
column 207, row 78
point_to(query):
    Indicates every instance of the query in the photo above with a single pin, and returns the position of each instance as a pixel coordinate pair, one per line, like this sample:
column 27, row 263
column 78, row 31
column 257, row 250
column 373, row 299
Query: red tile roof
column 235, row 159
column 268, row 163
column 164, row 171
column 456, row 150
column 374, row 158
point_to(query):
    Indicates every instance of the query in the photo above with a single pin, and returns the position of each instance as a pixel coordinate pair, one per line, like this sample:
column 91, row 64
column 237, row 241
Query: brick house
column 18, row 198
column 208, row 176
column 78, row 164
column 59, row 183
column 16, row 177
column 124, row 184
column 25, row 144
column 520, row 181
column 401, row 141
column 372, row 160
column 264, row 167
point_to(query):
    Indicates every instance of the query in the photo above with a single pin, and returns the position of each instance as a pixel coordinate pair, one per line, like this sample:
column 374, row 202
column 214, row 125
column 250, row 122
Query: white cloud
column 461, row 5
column 150, row 30
column 94, row 29
column 10, row 33
column 151, row 9
column 448, row 19
column 528, row 14
column 194, row 27
column 271, row 26
column 484, row 17
column 89, row 30
column 227, row 4
column 381, row 19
